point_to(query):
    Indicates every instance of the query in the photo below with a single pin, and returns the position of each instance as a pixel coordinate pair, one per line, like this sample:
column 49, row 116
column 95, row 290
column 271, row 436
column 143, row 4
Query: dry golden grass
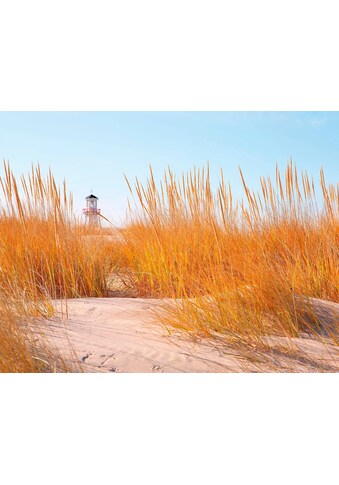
column 43, row 248
column 17, row 345
column 238, row 267
column 23, row 348
column 44, row 254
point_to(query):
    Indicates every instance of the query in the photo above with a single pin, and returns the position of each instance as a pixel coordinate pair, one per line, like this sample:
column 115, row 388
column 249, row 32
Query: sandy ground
column 123, row 335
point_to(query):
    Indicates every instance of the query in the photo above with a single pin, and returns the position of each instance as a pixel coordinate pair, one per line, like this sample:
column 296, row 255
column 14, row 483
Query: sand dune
column 122, row 335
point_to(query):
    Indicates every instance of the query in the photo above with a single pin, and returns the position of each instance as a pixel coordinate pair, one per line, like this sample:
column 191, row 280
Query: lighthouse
column 92, row 213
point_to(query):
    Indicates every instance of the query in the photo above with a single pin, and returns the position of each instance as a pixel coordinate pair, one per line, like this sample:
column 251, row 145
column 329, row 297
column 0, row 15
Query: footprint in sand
column 86, row 356
column 107, row 357
column 157, row 368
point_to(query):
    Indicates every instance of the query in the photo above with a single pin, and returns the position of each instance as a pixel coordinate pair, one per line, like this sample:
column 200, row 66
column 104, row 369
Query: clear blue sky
column 92, row 150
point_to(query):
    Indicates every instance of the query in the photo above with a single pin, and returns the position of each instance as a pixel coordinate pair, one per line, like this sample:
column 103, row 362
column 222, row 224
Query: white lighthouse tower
column 91, row 211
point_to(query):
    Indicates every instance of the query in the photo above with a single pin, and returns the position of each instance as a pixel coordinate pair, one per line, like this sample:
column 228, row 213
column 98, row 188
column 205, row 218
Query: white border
column 152, row 55
column 178, row 55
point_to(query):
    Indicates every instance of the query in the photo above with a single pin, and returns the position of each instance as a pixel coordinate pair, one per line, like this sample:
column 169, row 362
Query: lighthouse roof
column 91, row 197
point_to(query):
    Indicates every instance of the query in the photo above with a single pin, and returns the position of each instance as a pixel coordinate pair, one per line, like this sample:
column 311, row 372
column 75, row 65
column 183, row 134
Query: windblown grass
column 18, row 349
column 243, row 268
column 22, row 347
column 246, row 270
column 44, row 252
column 44, row 255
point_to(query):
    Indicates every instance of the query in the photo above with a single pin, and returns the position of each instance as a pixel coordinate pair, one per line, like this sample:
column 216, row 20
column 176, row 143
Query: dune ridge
column 125, row 335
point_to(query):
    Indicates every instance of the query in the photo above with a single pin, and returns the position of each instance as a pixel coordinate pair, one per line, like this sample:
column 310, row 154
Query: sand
column 124, row 335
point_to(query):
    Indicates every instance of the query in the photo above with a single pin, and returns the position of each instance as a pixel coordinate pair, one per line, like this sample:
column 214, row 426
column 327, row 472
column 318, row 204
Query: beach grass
column 245, row 268
column 44, row 255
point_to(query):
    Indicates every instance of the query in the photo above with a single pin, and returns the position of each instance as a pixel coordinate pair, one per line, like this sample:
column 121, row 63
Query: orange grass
column 44, row 254
column 239, row 267
column 44, row 251
column 21, row 348
column 18, row 349
column 244, row 269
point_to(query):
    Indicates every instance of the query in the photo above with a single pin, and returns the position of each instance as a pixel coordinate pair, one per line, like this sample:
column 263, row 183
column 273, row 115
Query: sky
column 93, row 150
